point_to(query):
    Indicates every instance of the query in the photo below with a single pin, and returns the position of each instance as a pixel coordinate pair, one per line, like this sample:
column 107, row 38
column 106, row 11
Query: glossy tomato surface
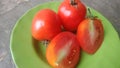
column 63, row 51
column 90, row 34
column 71, row 13
column 45, row 25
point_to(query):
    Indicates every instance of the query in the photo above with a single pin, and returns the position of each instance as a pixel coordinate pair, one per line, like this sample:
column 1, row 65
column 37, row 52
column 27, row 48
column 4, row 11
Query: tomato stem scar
column 45, row 42
column 91, row 16
column 72, row 2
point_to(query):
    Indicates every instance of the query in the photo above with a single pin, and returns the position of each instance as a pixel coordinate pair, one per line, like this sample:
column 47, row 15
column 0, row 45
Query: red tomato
column 45, row 25
column 90, row 34
column 72, row 12
column 63, row 51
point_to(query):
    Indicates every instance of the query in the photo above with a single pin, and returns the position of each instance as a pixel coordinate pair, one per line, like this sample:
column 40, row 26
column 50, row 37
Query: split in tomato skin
column 45, row 25
column 63, row 51
column 90, row 34
column 72, row 12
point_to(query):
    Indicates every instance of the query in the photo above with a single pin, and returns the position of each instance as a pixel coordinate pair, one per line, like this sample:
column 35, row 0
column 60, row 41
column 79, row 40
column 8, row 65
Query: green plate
column 29, row 53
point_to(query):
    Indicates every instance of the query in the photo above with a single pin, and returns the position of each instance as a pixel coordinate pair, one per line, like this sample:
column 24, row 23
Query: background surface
column 12, row 10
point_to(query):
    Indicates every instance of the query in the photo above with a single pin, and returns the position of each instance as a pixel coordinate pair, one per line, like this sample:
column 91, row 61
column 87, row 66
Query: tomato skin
column 64, row 44
column 71, row 15
column 45, row 25
column 91, row 35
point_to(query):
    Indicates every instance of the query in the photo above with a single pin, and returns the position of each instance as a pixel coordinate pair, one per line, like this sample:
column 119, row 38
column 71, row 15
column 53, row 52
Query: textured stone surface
column 11, row 10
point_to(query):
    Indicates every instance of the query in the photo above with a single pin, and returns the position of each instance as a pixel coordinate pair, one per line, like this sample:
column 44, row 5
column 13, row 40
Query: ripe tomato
column 63, row 51
column 45, row 25
column 90, row 34
column 72, row 12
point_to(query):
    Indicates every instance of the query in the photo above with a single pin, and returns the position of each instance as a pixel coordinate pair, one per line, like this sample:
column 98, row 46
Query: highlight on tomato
column 71, row 12
column 45, row 25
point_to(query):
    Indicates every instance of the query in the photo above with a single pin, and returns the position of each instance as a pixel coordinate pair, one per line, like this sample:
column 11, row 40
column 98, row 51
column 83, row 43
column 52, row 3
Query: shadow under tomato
column 40, row 49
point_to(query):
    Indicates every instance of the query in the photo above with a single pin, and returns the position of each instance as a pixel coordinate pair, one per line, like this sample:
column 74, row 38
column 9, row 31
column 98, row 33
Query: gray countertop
column 12, row 10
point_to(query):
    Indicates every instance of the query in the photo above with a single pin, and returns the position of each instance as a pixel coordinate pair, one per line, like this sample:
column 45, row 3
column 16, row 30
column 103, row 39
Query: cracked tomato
column 63, row 51
column 90, row 34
